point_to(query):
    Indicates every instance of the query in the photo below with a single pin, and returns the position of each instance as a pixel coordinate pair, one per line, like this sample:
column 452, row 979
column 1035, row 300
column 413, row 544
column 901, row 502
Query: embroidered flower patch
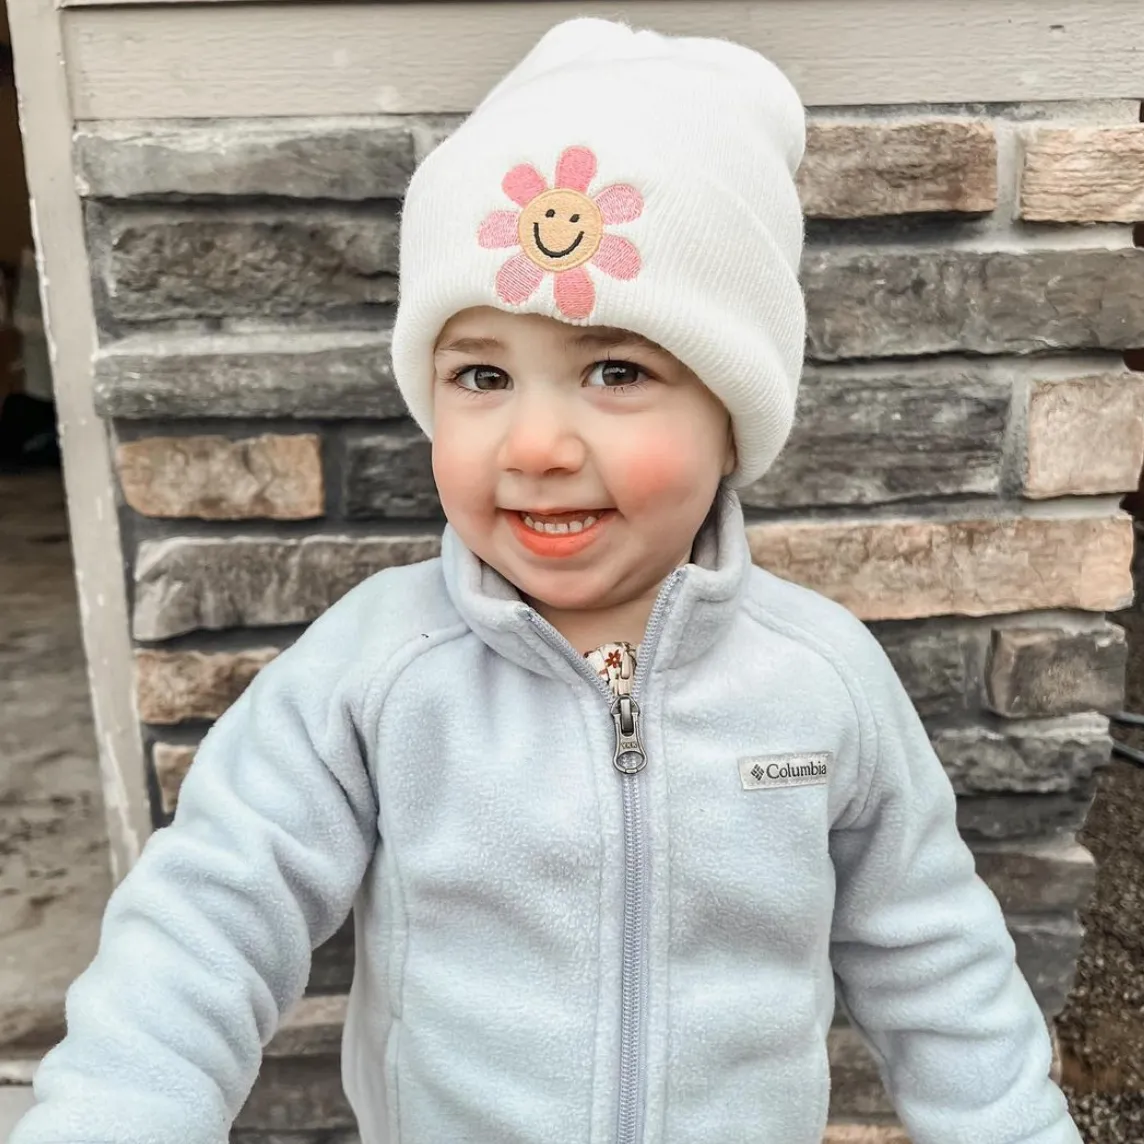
column 560, row 231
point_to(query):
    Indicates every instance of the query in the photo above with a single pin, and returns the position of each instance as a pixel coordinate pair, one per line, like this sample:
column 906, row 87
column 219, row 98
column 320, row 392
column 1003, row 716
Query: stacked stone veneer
column 966, row 424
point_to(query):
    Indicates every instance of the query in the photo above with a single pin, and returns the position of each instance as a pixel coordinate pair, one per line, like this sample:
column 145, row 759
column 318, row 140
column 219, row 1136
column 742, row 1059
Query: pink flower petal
column 575, row 169
column 523, row 183
column 619, row 203
column 617, row 257
column 575, row 294
column 500, row 229
column 518, row 279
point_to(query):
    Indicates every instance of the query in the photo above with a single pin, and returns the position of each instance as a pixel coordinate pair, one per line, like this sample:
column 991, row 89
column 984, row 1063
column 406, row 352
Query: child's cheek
column 653, row 470
column 451, row 463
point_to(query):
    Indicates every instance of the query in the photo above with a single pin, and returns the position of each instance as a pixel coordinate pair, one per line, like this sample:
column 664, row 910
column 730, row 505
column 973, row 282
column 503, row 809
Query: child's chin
column 564, row 596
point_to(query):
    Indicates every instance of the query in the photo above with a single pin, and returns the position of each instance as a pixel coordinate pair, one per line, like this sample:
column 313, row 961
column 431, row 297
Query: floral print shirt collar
column 616, row 664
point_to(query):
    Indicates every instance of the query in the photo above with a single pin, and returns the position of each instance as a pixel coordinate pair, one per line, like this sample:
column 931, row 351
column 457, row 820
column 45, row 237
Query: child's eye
column 616, row 375
column 481, row 379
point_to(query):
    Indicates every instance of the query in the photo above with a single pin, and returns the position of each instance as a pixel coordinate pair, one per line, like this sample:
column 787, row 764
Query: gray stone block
column 1054, row 758
column 312, row 1028
column 342, row 1136
column 875, row 303
column 332, row 965
column 1037, row 672
column 185, row 584
column 389, row 475
column 358, row 159
column 312, row 374
column 1042, row 876
column 931, row 663
column 865, row 438
column 297, row 1094
column 1012, row 816
column 856, row 1089
column 164, row 264
column 430, row 131
column 1047, row 950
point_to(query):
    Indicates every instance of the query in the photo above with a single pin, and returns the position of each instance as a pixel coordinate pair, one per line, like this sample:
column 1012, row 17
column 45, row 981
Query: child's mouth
column 558, row 534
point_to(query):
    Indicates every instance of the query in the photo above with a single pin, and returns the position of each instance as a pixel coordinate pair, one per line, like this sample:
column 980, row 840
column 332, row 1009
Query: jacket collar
column 705, row 595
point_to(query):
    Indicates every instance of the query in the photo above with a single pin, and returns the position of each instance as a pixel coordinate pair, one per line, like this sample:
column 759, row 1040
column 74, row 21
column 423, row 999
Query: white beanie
column 628, row 179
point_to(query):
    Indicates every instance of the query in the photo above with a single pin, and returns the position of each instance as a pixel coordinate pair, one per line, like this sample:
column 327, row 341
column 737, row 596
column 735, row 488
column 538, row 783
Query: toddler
column 620, row 815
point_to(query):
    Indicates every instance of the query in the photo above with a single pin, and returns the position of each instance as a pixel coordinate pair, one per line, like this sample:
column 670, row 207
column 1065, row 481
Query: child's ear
column 732, row 460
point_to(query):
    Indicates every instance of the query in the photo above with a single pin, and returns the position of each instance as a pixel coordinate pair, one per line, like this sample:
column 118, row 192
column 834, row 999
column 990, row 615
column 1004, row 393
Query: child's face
column 536, row 416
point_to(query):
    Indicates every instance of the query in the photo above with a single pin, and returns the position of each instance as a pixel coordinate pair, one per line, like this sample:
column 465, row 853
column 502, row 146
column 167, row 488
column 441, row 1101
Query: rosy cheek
column 651, row 470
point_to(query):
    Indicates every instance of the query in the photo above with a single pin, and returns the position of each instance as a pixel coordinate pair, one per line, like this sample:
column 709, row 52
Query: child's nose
column 539, row 441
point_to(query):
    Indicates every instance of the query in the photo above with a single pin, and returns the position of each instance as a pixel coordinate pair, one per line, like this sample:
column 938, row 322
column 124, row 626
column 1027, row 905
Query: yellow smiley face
column 560, row 229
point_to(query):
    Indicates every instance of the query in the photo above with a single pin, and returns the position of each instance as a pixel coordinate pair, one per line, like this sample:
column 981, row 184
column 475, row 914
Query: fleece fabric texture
column 620, row 177
column 430, row 755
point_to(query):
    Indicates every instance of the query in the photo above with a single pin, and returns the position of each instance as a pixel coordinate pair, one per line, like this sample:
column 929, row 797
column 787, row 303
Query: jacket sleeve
column 921, row 953
column 207, row 940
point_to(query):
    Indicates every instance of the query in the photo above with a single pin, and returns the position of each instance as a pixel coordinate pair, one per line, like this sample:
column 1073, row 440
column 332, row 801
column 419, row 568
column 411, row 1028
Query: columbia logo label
column 765, row 772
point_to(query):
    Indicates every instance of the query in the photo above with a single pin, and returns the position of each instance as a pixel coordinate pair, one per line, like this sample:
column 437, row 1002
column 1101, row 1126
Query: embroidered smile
column 554, row 253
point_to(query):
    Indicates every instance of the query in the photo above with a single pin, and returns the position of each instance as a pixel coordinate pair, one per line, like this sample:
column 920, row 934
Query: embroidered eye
column 574, row 218
column 550, row 213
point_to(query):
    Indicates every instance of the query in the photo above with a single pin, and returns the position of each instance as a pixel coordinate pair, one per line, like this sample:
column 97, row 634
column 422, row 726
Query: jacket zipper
column 629, row 759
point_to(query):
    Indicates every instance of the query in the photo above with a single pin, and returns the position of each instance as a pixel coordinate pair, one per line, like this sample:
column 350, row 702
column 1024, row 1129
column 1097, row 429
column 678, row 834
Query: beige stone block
column 215, row 478
column 172, row 687
column 865, row 1134
column 313, row 1027
column 863, row 170
column 906, row 569
column 171, row 764
column 1083, row 174
column 1086, row 436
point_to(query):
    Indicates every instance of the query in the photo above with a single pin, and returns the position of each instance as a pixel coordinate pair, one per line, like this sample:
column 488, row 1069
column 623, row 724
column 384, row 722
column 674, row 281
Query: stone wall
column 967, row 422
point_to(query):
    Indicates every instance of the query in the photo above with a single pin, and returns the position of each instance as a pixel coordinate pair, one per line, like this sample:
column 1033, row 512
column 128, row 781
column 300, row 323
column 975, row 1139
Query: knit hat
column 629, row 179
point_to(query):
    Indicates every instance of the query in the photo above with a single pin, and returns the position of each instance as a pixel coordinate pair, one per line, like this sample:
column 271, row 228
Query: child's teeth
column 559, row 527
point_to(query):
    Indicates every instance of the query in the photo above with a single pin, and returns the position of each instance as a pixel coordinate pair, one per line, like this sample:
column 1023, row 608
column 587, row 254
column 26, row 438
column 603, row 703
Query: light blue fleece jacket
column 550, row 951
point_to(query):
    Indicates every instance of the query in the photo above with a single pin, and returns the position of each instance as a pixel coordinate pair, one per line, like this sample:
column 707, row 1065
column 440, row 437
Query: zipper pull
column 629, row 757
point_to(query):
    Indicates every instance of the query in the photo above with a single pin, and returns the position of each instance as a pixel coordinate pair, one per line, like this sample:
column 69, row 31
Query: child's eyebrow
column 609, row 339
column 470, row 345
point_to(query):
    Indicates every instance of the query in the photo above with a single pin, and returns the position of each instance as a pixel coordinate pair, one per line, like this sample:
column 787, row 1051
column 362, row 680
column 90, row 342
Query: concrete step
column 865, row 1134
column 15, row 1100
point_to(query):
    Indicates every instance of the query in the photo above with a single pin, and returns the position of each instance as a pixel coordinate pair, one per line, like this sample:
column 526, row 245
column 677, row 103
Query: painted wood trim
column 70, row 321
column 151, row 3
column 217, row 59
